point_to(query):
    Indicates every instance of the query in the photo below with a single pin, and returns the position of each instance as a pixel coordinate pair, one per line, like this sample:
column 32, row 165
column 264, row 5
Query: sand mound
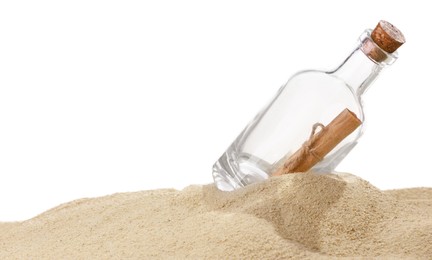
column 293, row 216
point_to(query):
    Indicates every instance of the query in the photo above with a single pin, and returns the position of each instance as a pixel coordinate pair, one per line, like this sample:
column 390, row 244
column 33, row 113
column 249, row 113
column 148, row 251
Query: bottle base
column 225, row 181
column 231, row 172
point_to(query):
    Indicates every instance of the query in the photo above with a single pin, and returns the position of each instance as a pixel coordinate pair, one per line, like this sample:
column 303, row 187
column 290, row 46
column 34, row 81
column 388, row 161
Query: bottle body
column 282, row 127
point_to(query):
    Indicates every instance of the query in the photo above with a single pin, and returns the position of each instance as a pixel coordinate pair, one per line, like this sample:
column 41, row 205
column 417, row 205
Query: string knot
column 306, row 149
column 307, row 145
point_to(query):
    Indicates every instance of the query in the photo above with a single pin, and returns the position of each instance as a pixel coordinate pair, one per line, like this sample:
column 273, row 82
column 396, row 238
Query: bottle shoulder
column 318, row 74
column 322, row 80
column 322, row 90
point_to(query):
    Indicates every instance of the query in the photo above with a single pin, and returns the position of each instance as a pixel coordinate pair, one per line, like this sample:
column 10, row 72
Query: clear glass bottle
column 307, row 98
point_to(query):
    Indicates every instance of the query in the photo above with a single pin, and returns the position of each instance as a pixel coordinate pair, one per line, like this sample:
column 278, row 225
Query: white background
column 98, row 97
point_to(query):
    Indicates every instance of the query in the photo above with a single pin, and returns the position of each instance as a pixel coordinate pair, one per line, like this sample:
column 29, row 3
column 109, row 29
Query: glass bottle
column 309, row 97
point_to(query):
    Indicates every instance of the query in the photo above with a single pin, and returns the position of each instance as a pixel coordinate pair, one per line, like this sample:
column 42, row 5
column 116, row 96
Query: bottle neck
column 364, row 64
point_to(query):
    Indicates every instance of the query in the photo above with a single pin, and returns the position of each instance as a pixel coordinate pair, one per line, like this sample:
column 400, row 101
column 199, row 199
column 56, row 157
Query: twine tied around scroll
column 320, row 143
column 307, row 148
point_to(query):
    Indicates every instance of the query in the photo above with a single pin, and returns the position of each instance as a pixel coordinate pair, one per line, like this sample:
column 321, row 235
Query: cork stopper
column 382, row 42
column 387, row 36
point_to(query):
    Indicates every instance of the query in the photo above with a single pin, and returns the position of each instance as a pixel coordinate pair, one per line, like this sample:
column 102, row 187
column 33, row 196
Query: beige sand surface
column 294, row 216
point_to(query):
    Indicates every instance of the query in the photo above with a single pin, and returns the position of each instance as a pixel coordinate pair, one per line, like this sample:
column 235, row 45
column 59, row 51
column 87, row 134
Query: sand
column 296, row 216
